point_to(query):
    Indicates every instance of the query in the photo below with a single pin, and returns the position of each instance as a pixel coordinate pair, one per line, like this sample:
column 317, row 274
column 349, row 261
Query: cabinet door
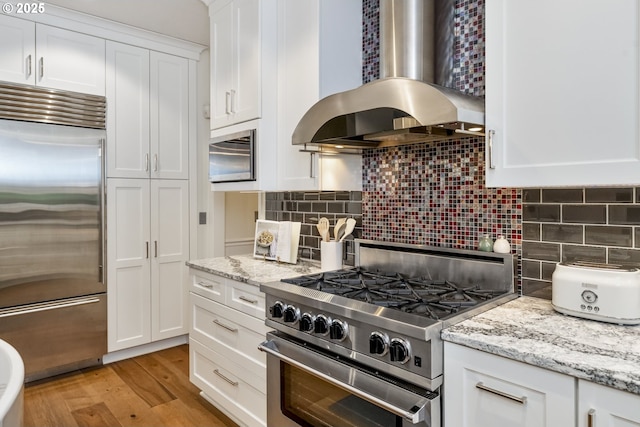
column 222, row 61
column 235, row 62
column 319, row 54
column 170, row 251
column 486, row 390
column 245, row 99
column 17, row 50
column 169, row 106
column 605, row 406
column 127, row 111
column 70, row 61
column 128, row 263
column 562, row 93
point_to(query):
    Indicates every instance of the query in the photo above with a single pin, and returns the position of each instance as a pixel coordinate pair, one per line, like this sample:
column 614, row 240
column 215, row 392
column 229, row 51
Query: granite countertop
column 247, row 269
column 529, row 330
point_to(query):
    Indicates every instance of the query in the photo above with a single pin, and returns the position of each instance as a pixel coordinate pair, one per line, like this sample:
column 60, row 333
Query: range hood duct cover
column 378, row 113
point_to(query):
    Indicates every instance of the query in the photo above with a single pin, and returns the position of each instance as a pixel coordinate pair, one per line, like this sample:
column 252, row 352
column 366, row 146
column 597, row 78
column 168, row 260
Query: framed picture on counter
column 277, row 241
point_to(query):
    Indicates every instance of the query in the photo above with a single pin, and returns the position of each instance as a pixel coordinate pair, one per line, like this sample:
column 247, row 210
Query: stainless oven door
column 310, row 387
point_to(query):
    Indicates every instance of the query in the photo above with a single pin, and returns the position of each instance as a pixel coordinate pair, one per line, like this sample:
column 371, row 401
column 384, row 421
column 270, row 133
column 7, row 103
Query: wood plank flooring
column 149, row 390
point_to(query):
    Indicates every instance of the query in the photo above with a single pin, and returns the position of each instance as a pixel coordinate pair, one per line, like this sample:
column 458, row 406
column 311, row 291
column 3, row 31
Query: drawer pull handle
column 233, row 383
column 521, row 400
column 228, row 328
column 250, row 301
column 205, row 285
column 591, row 418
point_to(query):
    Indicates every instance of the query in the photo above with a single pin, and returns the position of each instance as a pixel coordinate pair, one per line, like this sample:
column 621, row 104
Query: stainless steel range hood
column 404, row 105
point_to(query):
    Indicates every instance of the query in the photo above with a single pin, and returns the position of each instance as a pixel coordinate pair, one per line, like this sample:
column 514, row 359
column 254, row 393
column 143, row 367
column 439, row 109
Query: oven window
column 313, row 402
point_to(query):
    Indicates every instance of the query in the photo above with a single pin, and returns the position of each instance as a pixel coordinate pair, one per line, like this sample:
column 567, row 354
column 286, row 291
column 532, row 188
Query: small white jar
column 501, row 245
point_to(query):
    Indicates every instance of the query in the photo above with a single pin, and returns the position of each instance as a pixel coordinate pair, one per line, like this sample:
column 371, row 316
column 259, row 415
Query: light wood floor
column 150, row 390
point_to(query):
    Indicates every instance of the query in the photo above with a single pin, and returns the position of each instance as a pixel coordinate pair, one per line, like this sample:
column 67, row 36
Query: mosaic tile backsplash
column 434, row 194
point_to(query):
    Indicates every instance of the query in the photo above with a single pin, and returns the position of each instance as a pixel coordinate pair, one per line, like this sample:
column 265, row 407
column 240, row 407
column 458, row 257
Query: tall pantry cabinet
column 147, row 194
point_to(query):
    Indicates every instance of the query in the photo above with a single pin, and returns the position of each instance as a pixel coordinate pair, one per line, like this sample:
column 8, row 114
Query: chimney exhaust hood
column 404, row 106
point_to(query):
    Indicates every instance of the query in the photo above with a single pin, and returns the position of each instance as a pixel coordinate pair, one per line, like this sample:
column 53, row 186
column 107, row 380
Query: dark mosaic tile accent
column 624, row 256
column 583, row 253
column 468, row 63
column 608, row 235
column 624, row 214
column 562, row 195
column 608, row 195
column 585, row 214
column 370, row 40
column 541, row 213
column 434, row 194
column 562, row 233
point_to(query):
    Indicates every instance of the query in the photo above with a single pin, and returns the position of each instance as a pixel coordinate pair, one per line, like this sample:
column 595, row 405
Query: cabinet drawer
column 217, row 377
column 208, row 285
column 230, row 333
column 246, row 298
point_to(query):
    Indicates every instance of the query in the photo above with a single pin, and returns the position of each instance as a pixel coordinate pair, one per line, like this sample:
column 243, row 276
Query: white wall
column 183, row 19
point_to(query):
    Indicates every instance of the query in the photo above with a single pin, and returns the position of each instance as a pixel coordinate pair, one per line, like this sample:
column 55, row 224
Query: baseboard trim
column 128, row 353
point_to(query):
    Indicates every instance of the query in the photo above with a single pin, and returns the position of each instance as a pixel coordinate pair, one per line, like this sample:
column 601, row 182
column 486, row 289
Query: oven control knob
column 338, row 330
column 399, row 350
column 321, row 324
column 378, row 343
column 291, row 314
column 277, row 309
column 306, row 322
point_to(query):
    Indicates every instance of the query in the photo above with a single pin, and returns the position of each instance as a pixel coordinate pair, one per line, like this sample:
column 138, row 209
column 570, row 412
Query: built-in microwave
column 232, row 157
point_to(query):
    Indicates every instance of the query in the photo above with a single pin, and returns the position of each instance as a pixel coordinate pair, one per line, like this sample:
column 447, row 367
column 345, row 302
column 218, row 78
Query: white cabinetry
column 599, row 405
column 235, row 61
column 38, row 54
column 148, row 113
column 319, row 54
column 307, row 50
column 227, row 324
column 147, row 247
column 562, row 87
column 486, row 390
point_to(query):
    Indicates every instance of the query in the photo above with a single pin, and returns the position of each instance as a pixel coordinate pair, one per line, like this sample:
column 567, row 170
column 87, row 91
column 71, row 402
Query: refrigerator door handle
column 34, row 308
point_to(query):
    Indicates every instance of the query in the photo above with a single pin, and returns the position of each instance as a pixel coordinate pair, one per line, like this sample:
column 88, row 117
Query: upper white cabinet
column 307, row 50
column 319, row 54
column 562, row 93
column 38, row 54
column 147, row 113
column 17, row 50
column 235, row 61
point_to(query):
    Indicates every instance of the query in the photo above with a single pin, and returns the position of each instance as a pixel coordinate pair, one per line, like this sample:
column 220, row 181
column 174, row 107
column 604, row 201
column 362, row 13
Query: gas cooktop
column 435, row 299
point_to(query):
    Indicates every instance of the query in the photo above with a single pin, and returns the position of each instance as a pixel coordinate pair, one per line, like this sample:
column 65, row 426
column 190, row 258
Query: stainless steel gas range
column 361, row 346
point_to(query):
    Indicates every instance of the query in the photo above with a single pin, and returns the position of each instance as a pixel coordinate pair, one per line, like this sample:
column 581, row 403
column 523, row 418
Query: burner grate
column 435, row 299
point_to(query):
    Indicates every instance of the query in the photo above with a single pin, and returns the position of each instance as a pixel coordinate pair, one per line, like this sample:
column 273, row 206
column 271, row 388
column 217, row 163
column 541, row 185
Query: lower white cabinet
column 482, row 390
column 227, row 324
column 602, row 406
column 147, row 247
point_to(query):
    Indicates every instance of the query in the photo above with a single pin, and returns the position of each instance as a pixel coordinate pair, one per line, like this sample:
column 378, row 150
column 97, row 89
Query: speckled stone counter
column 529, row 330
column 247, row 269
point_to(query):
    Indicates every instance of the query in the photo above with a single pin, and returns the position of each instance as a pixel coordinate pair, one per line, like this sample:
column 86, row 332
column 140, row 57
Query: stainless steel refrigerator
column 52, row 288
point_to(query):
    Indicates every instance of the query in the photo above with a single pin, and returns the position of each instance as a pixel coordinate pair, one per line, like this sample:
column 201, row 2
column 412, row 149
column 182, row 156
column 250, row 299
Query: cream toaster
column 604, row 292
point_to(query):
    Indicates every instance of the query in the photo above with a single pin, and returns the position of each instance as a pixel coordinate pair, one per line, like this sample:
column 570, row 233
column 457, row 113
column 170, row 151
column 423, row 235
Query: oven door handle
column 270, row 347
